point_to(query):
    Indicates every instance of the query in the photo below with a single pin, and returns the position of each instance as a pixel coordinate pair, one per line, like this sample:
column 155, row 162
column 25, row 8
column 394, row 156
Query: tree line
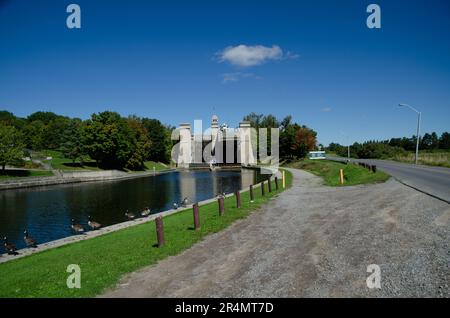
column 116, row 142
column 374, row 149
column 295, row 140
column 108, row 138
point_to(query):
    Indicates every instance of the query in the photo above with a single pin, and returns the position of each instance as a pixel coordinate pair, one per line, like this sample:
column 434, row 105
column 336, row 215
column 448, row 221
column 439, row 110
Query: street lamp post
column 348, row 144
column 419, row 115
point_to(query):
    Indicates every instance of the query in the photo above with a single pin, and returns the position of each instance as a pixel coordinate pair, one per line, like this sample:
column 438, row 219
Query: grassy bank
column 58, row 162
column 157, row 165
column 104, row 260
column 13, row 174
column 329, row 171
column 441, row 158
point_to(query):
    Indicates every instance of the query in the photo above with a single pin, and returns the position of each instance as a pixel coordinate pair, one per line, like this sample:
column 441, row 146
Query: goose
column 10, row 247
column 185, row 202
column 146, row 212
column 29, row 241
column 77, row 227
column 130, row 216
column 92, row 224
column 221, row 195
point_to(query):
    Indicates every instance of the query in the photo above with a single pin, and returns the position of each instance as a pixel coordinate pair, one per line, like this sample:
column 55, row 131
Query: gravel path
column 315, row 241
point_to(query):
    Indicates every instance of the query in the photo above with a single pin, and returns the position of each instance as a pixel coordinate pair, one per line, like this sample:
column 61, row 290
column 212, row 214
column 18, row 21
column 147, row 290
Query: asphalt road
column 434, row 181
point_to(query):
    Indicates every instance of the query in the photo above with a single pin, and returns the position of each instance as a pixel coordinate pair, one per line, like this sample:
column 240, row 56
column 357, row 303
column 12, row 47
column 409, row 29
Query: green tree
column 295, row 140
column 72, row 141
column 54, row 132
column 426, row 141
column 11, row 146
column 141, row 146
column 45, row 117
column 254, row 119
column 109, row 139
column 434, row 141
column 159, row 136
column 34, row 133
column 444, row 141
column 287, row 140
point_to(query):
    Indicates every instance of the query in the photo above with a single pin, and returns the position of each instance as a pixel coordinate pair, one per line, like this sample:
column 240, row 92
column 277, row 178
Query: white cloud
column 291, row 56
column 245, row 56
column 327, row 109
column 236, row 76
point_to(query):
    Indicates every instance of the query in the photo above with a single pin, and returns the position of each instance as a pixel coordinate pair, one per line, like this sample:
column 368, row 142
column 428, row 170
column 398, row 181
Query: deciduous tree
column 11, row 146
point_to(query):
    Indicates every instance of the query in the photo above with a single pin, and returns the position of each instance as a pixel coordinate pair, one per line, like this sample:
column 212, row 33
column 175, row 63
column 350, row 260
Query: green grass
column 438, row 157
column 148, row 166
column 105, row 259
column 12, row 174
column 329, row 171
column 158, row 166
column 432, row 158
column 58, row 162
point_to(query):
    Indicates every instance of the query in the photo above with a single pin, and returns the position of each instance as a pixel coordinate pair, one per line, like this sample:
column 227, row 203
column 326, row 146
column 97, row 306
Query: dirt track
column 315, row 241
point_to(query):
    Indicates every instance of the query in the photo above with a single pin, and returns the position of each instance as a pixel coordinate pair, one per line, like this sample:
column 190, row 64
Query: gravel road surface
column 314, row 241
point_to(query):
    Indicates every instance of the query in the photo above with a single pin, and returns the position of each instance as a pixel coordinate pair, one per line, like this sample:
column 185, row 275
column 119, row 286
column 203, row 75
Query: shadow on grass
column 15, row 173
column 92, row 164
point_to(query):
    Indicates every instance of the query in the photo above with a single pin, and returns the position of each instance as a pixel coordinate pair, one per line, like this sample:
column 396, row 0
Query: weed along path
column 314, row 240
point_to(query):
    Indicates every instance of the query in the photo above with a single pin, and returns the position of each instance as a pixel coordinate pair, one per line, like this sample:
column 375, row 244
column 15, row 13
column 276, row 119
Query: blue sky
column 181, row 60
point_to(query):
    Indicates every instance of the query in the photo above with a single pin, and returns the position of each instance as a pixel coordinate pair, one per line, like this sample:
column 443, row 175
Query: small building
column 317, row 155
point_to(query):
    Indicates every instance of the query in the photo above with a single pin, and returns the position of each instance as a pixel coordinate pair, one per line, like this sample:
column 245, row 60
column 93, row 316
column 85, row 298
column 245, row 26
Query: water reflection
column 46, row 212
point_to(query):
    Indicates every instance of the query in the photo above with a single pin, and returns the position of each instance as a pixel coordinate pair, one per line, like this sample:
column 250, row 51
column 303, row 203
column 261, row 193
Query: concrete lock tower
column 247, row 153
column 245, row 137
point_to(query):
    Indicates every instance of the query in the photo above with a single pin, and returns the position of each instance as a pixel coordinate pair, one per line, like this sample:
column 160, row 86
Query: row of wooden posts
column 221, row 204
column 372, row 168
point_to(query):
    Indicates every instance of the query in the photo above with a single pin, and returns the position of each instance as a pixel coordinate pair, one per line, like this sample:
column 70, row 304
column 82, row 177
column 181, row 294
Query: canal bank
column 61, row 177
column 46, row 212
column 107, row 257
column 116, row 227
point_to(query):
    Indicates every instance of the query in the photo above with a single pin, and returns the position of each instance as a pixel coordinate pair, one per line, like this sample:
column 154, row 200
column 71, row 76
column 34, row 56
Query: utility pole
column 419, row 115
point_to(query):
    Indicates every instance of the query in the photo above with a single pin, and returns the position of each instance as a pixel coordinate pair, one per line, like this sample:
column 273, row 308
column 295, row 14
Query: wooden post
column 270, row 185
column 276, row 183
column 341, row 176
column 284, row 180
column 263, row 190
column 196, row 216
column 221, row 205
column 251, row 193
column 160, row 231
column 238, row 199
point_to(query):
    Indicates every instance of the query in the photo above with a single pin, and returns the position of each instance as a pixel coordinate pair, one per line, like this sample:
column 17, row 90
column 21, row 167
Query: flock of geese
column 77, row 228
column 11, row 249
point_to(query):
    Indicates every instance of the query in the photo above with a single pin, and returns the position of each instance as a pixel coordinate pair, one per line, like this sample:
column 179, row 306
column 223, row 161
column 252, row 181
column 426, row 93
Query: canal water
column 46, row 212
